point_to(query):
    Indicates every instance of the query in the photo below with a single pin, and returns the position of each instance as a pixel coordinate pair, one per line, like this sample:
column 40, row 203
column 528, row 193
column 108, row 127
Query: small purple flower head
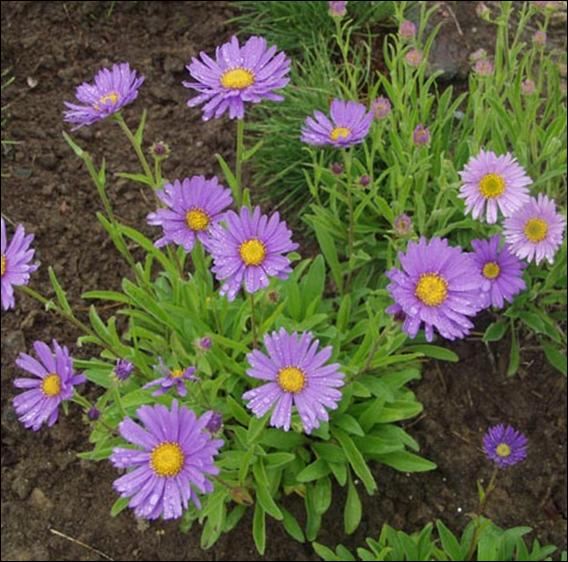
column 93, row 413
column 364, row 180
column 171, row 377
column 414, row 58
column 214, row 422
column 123, row 369
column 407, row 29
column 175, row 454
column 107, row 95
column 492, row 183
column 539, row 38
column 160, row 150
column 204, row 344
column 381, row 107
column 16, row 266
column 297, row 375
column 238, row 75
column 192, row 207
column 502, row 271
column 337, row 9
column 250, row 250
column 403, row 225
column 336, row 169
column 438, row 286
column 528, row 87
column 53, row 384
column 421, row 135
column 479, row 54
column 505, row 446
column 535, row 231
column 483, row 67
column 349, row 125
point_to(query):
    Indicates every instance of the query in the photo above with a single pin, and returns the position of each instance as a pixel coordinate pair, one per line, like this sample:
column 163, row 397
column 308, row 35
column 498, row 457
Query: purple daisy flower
column 298, row 376
column 175, row 456
column 505, row 446
column 238, row 74
column 171, row 377
column 381, row 107
column 438, row 286
column 109, row 93
column 193, row 206
column 123, row 369
column 349, row 125
column 501, row 270
column 53, row 383
column 250, row 250
column 16, row 266
column 492, row 183
column 421, row 135
column 337, row 8
column 535, row 231
column 407, row 29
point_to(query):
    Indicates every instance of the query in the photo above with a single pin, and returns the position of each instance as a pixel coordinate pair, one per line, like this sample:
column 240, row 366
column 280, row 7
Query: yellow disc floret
column 536, row 230
column 167, row 459
column 252, row 252
column 291, row 379
column 432, row 289
column 177, row 373
column 339, row 133
column 237, row 79
column 503, row 450
column 107, row 99
column 4, row 264
column 492, row 186
column 491, row 270
column 197, row 219
column 51, row 385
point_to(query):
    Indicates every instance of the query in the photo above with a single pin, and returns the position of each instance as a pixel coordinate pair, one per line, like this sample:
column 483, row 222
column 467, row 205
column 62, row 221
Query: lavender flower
column 238, row 75
column 298, row 376
column 505, row 446
column 492, row 183
column 381, row 107
column 170, row 378
column 407, row 29
column 535, row 231
column 539, row 38
column 123, row 369
column 403, row 225
column 337, row 9
column 173, row 459
column 214, row 422
column 421, row 135
column 16, row 266
column 528, row 87
column 483, row 67
column 250, row 250
column 414, row 58
column 111, row 91
column 193, row 206
column 438, row 286
column 501, row 270
column 53, row 384
column 204, row 343
column 349, row 125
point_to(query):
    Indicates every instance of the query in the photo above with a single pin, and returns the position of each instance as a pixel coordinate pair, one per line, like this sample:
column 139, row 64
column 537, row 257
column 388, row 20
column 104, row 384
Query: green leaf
column 292, row 526
column 406, row 462
column 119, row 505
column 259, row 528
column 139, row 135
column 262, row 488
column 328, row 249
column 450, row 543
column 353, row 509
column 515, row 352
column 318, row 469
column 434, row 352
column 348, row 423
column 495, row 332
column 74, row 146
column 59, row 292
column 356, row 460
column 555, row 357
column 256, row 425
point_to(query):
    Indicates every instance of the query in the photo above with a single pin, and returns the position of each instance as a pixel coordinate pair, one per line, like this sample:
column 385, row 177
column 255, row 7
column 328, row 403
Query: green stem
column 253, row 321
column 239, row 163
column 137, row 148
column 348, row 160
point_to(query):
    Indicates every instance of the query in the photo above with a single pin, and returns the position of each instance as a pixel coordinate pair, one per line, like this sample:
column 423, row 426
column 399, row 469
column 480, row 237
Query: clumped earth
column 52, row 46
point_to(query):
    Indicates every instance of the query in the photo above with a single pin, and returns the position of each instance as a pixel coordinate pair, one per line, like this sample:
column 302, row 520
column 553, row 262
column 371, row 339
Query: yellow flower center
column 167, row 459
column 4, row 265
column 253, row 252
column 51, row 385
column 291, row 379
column 197, row 219
column 432, row 289
column 491, row 270
column 177, row 373
column 237, row 79
column 339, row 133
column 536, row 230
column 107, row 99
column 492, row 186
column 503, row 450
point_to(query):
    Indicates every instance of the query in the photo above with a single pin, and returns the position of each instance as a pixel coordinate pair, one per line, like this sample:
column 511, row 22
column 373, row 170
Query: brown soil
column 54, row 45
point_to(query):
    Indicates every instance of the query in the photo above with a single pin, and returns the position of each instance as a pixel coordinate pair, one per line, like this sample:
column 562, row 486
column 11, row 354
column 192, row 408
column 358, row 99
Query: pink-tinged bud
column 204, row 344
column 364, row 181
column 93, row 414
column 421, row 135
column 160, row 150
column 482, row 10
column 483, row 67
column 403, row 225
column 381, row 107
column 337, row 168
column 273, row 296
column 539, row 38
column 214, row 422
column 337, row 9
column 528, row 87
column 407, row 29
column 414, row 57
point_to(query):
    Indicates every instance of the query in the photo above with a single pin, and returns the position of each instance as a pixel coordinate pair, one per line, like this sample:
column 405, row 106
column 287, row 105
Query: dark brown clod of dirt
column 52, row 46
